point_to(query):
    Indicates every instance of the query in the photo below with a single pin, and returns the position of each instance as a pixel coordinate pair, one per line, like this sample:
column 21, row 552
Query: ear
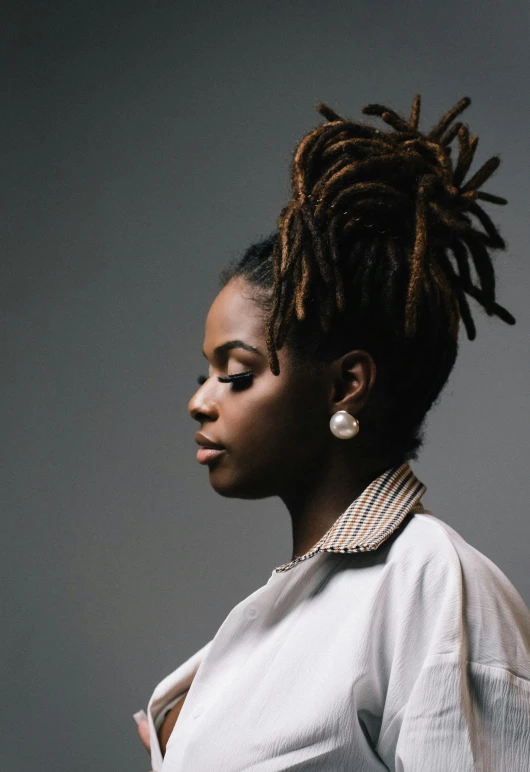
column 352, row 377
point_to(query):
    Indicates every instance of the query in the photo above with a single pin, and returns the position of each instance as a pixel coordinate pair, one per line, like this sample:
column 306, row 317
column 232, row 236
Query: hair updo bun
column 376, row 249
column 348, row 178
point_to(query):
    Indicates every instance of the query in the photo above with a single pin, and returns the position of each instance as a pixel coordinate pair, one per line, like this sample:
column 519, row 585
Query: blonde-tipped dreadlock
column 348, row 178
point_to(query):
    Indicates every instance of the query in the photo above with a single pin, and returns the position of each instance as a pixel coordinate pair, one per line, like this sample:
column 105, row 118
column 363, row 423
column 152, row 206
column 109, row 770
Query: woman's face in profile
column 273, row 428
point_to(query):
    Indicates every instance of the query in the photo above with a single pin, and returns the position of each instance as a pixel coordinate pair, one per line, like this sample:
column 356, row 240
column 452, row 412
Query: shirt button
column 198, row 710
column 252, row 612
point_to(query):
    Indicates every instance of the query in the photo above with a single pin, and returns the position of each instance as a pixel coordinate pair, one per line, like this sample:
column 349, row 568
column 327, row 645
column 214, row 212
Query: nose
column 202, row 406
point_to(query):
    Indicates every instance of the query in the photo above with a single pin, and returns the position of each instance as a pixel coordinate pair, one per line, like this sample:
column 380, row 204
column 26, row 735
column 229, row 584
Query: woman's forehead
column 234, row 315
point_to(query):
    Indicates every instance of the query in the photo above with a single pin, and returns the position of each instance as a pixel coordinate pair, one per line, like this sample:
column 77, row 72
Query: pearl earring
column 343, row 425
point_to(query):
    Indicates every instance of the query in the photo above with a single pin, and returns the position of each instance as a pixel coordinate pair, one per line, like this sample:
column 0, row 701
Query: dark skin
column 276, row 429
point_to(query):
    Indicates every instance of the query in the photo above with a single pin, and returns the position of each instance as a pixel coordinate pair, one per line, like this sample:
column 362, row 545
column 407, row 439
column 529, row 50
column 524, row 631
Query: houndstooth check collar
column 372, row 517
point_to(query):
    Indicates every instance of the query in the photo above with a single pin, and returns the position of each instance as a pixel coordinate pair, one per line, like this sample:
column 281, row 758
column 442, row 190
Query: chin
column 233, row 487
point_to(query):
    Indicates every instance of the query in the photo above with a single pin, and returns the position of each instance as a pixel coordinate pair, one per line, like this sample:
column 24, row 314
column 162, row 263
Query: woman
column 387, row 642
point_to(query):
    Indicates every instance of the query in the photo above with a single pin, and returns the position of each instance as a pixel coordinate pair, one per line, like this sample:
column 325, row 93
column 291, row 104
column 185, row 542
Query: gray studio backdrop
column 144, row 145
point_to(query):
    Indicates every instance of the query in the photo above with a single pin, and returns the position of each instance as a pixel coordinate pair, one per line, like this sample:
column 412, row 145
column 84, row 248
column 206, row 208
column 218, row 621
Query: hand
column 143, row 729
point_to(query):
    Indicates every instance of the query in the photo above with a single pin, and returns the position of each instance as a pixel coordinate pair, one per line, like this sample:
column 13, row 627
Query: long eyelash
column 236, row 379
column 239, row 381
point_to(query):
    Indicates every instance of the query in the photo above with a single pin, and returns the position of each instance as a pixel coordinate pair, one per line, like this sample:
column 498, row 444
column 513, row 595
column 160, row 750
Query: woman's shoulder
column 427, row 545
column 476, row 594
column 429, row 541
column 433, row 540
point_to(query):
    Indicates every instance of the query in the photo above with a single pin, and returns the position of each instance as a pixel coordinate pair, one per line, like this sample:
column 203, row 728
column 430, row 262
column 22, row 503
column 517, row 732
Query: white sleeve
column 168, row 692
column 457, row 658
column 461, row 717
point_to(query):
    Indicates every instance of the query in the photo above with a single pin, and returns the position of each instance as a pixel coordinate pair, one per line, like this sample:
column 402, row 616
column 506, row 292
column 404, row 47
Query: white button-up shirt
column 392, row 644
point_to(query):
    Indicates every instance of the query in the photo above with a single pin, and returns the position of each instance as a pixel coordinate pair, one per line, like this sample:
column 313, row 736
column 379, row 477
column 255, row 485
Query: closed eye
column 239, row 381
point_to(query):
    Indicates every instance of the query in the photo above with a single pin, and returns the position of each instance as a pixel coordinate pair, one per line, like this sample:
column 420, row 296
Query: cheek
column 276, row 423
column 273, row 436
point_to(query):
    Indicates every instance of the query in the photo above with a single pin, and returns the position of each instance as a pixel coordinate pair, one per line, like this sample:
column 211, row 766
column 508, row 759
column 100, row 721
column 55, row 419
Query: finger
column 143, row 728
column 143, row 731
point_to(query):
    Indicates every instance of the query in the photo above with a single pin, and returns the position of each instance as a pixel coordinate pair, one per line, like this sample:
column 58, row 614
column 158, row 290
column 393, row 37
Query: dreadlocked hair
column 377, row 248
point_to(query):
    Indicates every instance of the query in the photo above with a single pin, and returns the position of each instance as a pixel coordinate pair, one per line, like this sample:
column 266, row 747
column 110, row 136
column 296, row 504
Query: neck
column 324, row 494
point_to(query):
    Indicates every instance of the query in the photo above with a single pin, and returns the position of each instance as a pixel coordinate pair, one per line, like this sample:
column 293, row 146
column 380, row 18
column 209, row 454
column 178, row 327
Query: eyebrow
column 231, row 344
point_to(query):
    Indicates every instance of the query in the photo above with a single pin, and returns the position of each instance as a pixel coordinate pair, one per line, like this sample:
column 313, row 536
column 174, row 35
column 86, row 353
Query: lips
column 209, row 450
column 205, row 455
